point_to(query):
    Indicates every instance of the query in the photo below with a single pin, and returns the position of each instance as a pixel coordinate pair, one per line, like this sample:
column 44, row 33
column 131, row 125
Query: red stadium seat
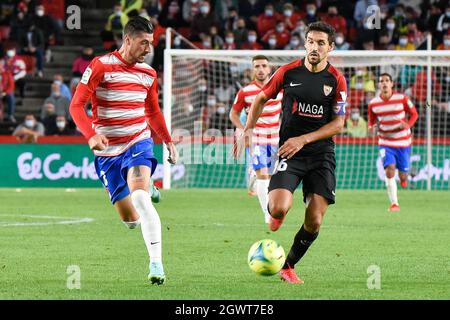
column 30, row 63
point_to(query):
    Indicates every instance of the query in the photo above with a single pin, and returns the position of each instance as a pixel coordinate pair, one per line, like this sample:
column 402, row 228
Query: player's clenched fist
column 98, row 142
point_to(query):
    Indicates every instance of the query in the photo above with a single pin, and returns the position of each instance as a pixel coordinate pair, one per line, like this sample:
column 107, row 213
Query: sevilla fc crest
column 327, row 89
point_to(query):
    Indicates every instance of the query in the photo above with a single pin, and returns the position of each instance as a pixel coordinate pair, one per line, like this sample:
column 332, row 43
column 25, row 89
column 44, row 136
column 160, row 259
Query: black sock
column 303, row 239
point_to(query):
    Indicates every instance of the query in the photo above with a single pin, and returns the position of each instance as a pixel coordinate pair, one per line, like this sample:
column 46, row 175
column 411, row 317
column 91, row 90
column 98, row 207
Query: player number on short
column 282, row 166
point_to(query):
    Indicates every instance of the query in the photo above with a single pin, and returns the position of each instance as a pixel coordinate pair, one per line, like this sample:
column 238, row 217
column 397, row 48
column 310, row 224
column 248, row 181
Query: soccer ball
column 266, row 257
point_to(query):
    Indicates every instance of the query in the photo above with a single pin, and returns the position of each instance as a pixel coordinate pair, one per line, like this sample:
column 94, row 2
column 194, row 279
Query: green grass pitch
column 206, row 237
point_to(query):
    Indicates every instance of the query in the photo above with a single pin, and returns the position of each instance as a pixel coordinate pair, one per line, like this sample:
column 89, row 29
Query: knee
column 278, row 210
column 313, row 224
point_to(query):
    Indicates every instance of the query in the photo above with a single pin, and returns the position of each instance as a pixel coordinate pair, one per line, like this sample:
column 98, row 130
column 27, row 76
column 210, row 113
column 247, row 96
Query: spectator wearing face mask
column 114, row 26
column 404, row 43
column 217, row 41
column 355, row 125
column 203, row 21
column 229, row 41
column 335, row 20
column 206, row 42
column 295, row 43
column 445, row 45
column 271, row 43
column 443, row 24
column 281, row 34
column 49, row 121
column 240, row 33
column 220, row 119
column 267, row 20
column 290, row 16
column 29, row 130
column 33, row 43
column 190, row 9
column 340, row 43
column 60, row 102
column 415, row 36
column 18, row 69
column 391, row 30
column 48, row 25
column 61, row 127
column 363, row 80
column 7, row 88
column 310, row 14
column 252, row 41
column 65, row 91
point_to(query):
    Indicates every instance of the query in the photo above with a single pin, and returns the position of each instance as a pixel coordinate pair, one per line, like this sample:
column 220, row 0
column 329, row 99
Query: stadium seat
column 30, row 63
column 4, row 32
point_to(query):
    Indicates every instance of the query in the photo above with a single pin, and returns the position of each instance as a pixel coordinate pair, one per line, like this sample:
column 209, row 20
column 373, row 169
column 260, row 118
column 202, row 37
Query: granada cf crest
column 327, row 89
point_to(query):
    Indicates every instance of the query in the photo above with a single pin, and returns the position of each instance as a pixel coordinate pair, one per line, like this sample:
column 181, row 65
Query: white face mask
column 359, row 73
column 176, row 41
column 194, row 1
column 10, row 53
column 221, row 110
column 447, row 78
column 204, row 9
column 118, row 13
column 339, row 41
column 447, row 14
column 295, row 42
column 60, row 124
column 280, row 28
column 251, row 38
column 355, row 115
column 58, row 82
column 288, row 13
column 359, row 85
column 202, row 88
column 269, row 12
column 29, row 123
column 207, row 44
column 272, row 42
column 390, row 26
column 447, row 42
column 403, row 42
column 211, row 102
column 39, row 13
column 311, row 12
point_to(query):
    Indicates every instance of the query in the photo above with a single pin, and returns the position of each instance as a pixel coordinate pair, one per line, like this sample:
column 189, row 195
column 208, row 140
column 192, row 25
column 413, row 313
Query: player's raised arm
column 156, row 121
column 85, row 88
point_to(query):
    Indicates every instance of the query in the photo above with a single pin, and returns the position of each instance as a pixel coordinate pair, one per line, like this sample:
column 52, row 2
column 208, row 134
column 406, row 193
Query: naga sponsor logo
column 310, row 110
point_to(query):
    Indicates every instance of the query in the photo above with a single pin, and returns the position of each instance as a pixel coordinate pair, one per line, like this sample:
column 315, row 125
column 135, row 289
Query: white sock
column 391, row 185
column 150, row 223
column 262, row 189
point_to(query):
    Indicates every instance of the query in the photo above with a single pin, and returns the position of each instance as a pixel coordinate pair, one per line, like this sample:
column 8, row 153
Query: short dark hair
column 260, row 57
column 137, row 24
column 385, row 74
column 322, row 27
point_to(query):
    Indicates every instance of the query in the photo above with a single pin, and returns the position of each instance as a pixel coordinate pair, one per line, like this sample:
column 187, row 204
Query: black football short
column 316, row 172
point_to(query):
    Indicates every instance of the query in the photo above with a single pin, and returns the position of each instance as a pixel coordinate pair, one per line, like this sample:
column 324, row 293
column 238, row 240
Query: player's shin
column 391, row 186
column 150, row 223
column 302, row 241
column 262, row 189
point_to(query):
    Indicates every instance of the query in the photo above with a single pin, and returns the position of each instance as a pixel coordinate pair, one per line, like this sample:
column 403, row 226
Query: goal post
column 200, row 87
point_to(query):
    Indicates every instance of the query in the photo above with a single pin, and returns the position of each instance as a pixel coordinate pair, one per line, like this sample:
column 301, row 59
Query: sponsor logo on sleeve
column 86, row 76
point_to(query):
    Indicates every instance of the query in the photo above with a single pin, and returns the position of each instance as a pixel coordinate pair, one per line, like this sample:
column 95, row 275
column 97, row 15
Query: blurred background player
column 119, row 132
column 265, row 140
column 251, row 174
column 388, row 112
column 314, row 97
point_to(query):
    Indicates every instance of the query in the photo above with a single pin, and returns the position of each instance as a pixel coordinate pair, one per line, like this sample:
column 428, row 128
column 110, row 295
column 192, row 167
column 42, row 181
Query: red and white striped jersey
column 267, row 127
column 390, row 114
column 124, row 97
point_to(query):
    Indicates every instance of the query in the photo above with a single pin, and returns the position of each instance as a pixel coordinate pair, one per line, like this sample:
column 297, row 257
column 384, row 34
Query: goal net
column 200, row 87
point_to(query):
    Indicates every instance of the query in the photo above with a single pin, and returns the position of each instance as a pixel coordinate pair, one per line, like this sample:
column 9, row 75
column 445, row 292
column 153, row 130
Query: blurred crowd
column 29, row 29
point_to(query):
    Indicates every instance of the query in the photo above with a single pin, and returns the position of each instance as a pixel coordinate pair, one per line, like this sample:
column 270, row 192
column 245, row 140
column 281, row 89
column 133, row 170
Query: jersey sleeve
column 92, row 76
column 275, row 83
column 371, row 115
column 154, row 115
column 239, row 101
column 411, row 110
column 340, row 98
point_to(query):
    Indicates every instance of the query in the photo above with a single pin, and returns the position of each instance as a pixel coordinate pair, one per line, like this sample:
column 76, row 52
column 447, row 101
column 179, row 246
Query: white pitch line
column 64, row 220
